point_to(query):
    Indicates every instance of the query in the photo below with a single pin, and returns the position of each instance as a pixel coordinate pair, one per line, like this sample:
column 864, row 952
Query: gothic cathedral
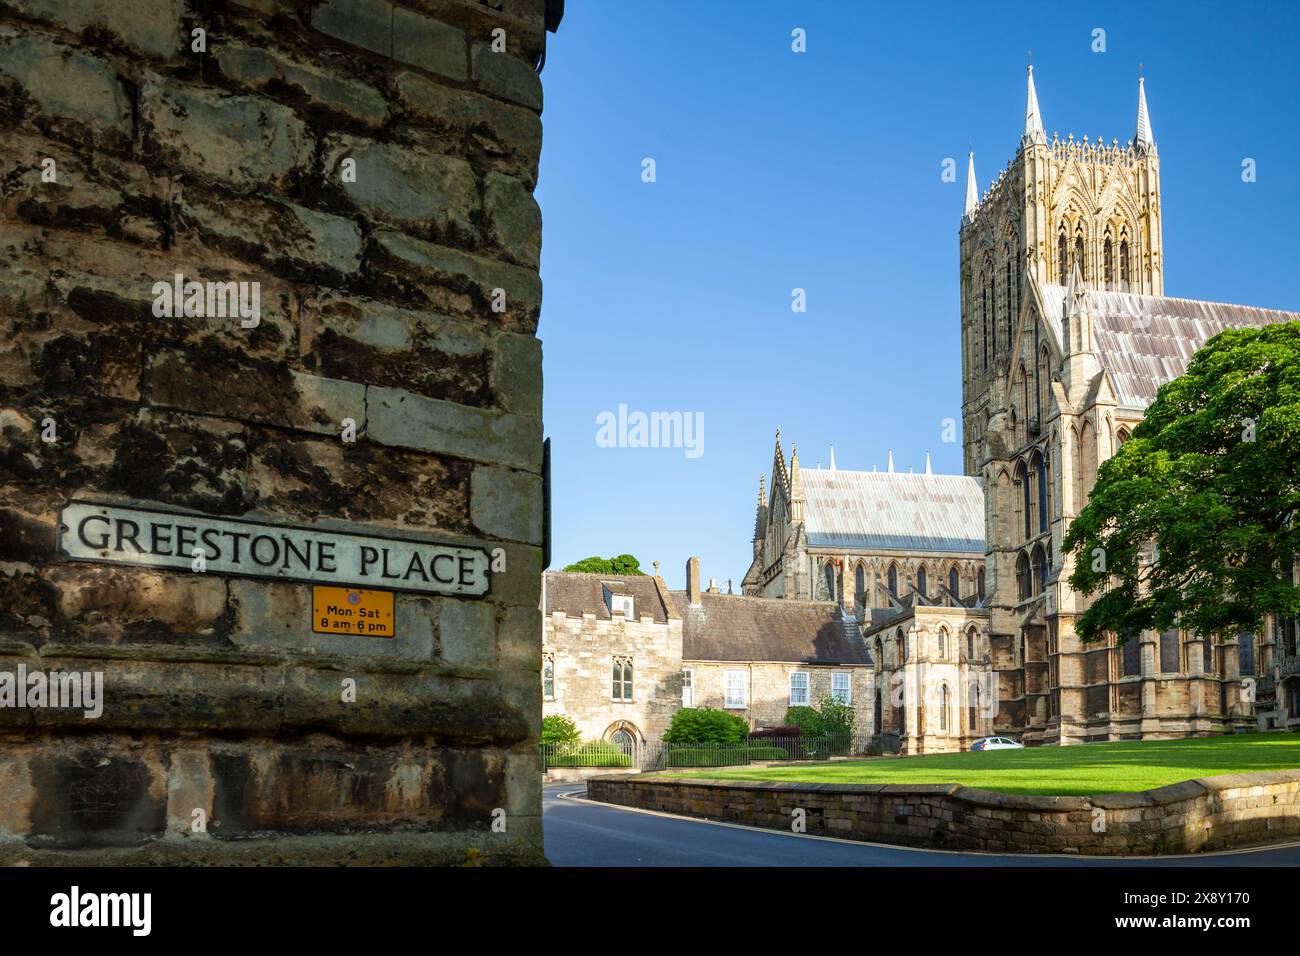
column 1066, row 334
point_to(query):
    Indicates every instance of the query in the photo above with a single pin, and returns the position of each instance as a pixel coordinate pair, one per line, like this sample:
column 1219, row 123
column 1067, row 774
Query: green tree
column 623, row 564
column 805, row 718
column 1193, row 521
column 836, row 716
column 559, row 729
column 706, row 725
column 829, row 718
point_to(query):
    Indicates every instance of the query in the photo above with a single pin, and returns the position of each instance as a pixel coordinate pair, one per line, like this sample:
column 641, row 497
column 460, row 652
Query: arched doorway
column 626, row 737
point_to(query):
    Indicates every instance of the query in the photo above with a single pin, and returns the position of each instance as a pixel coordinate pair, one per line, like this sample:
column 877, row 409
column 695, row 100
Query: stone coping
column 1159, row 796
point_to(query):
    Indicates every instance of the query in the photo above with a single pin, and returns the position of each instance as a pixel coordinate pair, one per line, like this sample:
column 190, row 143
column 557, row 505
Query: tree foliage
column 829, row 717
column 622, row 564
column 1193, row 522
column 706, row 725
column 559, row 729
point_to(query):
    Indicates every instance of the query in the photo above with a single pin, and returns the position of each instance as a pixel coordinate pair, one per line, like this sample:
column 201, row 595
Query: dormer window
column 619, row 603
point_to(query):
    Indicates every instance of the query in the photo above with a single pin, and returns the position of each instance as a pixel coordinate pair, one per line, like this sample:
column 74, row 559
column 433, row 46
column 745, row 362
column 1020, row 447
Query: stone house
column 757, row 657
column 621, row 654
column 611, row 654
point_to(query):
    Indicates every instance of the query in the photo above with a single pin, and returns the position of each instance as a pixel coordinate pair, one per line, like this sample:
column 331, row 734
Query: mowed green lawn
column 1082, row 770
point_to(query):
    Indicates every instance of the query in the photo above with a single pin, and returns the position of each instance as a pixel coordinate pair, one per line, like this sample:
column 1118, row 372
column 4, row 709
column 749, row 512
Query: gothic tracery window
column 1040, row 570
column 1016, row 310
column 1024, row 581
column 1011, row 318
column 1024, row 511
column 993, row 304
column 1040, row 471
column 984, row 315
column 1043, row 379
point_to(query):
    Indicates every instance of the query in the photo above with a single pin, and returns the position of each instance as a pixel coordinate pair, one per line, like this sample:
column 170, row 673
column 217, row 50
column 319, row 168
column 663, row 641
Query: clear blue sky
column 821, row 170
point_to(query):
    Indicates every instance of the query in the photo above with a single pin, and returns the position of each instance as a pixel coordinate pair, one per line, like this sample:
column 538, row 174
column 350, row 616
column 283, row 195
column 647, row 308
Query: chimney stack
column 693, row 581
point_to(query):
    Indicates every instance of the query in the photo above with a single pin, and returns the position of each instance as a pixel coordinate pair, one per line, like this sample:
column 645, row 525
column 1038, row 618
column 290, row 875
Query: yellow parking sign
column 352, row 611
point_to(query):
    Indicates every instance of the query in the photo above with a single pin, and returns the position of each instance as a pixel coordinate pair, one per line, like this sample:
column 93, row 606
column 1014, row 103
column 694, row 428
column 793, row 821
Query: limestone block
column 262, row 69
column 508, row 137
column 409, row 187
column 149, row 26
column 429, row 44
column 459, row 282
column 505, row 503
column 247, row 142
column 398, row 418
column 517, row 373
column 467, row 632
column 63, row 84
column 285, row 236
column 506, row 76
column 515, row 218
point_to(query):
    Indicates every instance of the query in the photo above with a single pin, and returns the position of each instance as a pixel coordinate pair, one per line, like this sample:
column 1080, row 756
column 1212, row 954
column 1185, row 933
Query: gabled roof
column 1143, row 341
column 879, row 510
column 732, row 627
column 578, row 594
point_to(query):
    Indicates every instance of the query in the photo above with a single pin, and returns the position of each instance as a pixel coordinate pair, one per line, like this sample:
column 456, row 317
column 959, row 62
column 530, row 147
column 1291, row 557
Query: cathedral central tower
column 1057, row 203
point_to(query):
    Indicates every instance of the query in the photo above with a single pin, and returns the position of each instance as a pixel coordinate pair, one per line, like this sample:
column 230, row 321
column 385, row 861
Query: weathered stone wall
column 405, row 298
column 583, row 651
column 768, row 686
column 921, row 654
column 1213, row 813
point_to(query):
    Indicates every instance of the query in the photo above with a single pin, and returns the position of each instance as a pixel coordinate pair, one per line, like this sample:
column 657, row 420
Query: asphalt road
column 579, row 832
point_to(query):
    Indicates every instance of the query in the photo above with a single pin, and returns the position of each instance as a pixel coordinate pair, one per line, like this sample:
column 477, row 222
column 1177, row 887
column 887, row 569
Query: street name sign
column 94, row 531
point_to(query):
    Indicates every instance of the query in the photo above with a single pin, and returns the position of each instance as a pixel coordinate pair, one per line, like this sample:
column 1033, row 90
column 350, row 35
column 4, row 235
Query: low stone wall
column 572, row 774
column 1213, row 813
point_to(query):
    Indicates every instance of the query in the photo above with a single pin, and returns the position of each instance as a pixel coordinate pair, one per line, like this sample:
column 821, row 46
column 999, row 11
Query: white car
column 996, row 743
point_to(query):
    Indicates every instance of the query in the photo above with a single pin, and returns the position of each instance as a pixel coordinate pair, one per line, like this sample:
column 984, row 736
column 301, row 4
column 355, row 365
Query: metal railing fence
column 665, row 755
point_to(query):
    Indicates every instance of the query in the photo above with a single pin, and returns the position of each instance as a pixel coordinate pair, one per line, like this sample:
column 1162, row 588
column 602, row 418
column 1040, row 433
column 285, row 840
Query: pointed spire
column 796, row 476
column 1074, row 289
column 972, row 191
column 1034, row 133
column 832, row 457
column 780, row 476
column 760, row 515
column 891, row 461
column 1143, row 140
column 927, row 464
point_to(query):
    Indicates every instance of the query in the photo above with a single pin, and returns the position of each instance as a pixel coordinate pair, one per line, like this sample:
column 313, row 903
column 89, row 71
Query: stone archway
column 627, row 737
